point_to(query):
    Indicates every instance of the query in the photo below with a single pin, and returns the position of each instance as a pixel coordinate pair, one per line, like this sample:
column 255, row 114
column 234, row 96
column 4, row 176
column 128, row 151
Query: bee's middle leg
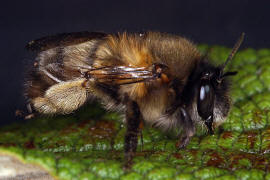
column 131, row 138
column 188, row 128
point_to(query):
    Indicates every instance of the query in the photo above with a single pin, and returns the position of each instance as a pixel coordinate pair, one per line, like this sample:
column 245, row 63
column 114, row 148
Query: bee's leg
column 131, row 137
column 188, row 129
column 141, row 133
column 30, row 113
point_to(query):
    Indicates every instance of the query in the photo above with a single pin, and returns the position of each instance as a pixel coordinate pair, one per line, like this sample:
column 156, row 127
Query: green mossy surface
column 89, row 143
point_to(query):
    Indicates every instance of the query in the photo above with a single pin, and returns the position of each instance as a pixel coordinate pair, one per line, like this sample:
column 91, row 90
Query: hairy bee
column 155, row 78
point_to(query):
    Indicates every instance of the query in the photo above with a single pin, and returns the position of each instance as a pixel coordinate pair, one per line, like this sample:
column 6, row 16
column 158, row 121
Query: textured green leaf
column 89, row 143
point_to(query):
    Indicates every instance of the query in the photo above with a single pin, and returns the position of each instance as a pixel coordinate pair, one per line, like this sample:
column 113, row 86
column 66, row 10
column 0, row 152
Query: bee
column 158, row 79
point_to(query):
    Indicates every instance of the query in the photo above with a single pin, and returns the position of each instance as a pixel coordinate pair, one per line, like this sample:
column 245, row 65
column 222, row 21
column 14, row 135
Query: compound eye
column 205, row 103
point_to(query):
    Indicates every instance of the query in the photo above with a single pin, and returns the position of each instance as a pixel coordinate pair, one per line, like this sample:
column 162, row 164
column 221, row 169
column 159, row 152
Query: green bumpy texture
column 89, row 143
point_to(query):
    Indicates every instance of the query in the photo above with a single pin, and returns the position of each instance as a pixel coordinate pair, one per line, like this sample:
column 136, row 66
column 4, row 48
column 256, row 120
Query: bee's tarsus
column 29, row 108
column 133, row 123
column 183, row 142
column 188, row 130
column 24, row 115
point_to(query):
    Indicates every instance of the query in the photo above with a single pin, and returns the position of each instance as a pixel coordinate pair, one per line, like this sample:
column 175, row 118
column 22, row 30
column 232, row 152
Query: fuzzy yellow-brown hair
column 123, row 49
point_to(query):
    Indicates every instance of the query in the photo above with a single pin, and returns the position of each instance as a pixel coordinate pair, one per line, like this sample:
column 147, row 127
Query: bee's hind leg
column 188, row 129
column 131, row 138
column 28, row 114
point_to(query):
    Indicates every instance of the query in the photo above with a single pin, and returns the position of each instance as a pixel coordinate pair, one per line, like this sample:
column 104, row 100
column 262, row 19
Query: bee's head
column 212, row 100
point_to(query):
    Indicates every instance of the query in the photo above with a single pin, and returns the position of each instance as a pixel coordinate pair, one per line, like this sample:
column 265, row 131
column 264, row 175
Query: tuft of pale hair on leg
column 67, row 96
column 44, row 106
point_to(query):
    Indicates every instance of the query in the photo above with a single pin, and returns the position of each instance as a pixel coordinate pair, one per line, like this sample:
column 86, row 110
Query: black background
column 203, row 21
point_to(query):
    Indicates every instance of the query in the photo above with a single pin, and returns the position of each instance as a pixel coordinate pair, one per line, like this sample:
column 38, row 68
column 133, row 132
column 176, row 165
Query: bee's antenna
column 234, row 50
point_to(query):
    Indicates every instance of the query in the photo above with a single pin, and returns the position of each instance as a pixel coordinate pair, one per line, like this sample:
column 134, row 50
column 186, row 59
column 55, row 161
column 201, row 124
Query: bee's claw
column 183, row 142
column 128, row 161
column 23, row 114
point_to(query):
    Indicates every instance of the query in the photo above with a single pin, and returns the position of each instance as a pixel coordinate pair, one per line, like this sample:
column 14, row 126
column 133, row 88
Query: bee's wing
column 121, row 75
column 64, row 39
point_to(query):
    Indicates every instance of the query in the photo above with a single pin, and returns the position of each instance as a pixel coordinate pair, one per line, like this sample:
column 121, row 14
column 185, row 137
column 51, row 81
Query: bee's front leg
column 188, row 128
column 131, row 137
